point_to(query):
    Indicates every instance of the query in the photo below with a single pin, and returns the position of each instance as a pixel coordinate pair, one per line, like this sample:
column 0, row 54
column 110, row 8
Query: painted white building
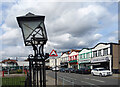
column 54, row 62
column 23, row 63
column 106, row 55
column 101, row 56
column 64, row 60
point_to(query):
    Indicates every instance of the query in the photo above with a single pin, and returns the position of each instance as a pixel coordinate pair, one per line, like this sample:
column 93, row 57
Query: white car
column 101, row 72
column 55, row 69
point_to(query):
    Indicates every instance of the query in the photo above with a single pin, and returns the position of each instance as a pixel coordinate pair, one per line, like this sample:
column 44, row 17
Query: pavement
column 50, row 80
column 116, row 75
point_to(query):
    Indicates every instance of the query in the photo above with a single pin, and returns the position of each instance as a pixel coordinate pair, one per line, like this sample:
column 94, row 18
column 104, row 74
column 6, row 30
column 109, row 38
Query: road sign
column 53, row 53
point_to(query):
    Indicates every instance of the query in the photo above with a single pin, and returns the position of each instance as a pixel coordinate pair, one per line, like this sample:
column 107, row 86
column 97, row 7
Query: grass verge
column 13, row 81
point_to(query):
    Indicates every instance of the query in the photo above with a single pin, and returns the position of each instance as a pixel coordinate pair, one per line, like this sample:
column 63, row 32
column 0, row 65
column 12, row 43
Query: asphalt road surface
column 84, row 80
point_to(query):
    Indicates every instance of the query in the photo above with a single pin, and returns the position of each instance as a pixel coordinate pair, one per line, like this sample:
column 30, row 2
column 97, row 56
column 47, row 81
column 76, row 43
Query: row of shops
column 106, row 55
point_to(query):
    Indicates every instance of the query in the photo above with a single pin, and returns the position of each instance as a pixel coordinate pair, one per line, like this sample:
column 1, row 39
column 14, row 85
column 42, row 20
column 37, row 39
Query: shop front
column 73, row 64
column 84, row 63
column 64, row 65
column 104, row 62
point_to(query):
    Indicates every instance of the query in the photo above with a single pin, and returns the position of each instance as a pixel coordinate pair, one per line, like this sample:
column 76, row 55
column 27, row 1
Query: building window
column 75, row 57
column 72, row 58
column 105, row 51
column 69, row 58
column 94, row 53
column 80, row 56
column 83, row 56
column 88, row 55
column 99, row 52
column 65, row 59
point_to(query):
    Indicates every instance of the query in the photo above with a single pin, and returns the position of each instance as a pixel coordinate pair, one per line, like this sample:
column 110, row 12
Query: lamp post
column 34, row 34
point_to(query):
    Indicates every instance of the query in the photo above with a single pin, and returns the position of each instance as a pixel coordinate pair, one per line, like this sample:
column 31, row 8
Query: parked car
column 101, row 72
column 79, row 71
column 62, row 69
column 69, row 70
column 12, row 68
column 83, row 71
column 55, row 69
column 66, row 69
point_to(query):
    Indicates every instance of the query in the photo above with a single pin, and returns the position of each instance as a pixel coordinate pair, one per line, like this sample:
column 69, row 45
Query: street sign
column 53, row 53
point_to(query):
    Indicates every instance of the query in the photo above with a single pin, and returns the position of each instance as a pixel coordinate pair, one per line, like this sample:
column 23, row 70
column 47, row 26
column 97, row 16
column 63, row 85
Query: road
column 84, row 80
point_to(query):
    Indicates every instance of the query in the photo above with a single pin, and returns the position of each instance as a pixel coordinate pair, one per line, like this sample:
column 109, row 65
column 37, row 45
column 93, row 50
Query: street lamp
column 34, row 34
column 33, row 29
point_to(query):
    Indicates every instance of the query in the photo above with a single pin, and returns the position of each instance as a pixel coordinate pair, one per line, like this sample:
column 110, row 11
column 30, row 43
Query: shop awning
column 73, row 61
column 85, row 62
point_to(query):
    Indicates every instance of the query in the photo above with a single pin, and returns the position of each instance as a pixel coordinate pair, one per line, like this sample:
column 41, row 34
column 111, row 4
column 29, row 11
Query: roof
column 75, row 50
column 67, row 52
column 106, row 44
column 9, row 60
column 101, row 43
column 73, row 53
column 64, row 55
column 70, row 51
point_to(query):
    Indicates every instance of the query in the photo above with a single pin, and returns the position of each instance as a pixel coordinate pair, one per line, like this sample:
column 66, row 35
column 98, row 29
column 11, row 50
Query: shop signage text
column 100, row 59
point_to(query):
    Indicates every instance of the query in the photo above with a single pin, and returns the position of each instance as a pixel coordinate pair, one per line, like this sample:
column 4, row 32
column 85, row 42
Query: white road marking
column 89, row 83
column 94, row 80
column 67, row 77
column 86, row 78
column 97, row 80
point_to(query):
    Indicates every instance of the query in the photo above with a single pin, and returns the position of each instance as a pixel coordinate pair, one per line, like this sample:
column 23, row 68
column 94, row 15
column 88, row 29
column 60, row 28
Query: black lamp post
column 34, row 34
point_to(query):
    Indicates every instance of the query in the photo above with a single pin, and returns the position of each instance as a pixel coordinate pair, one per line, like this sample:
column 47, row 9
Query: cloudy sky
column 69, row 25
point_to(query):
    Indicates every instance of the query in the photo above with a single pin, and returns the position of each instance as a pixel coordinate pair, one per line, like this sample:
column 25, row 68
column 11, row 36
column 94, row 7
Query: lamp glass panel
column 43, row 27
column 29, row 28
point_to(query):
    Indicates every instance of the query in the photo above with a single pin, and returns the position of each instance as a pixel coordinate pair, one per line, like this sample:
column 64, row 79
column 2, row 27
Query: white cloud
column 11, row 37
column 81, row 43
column 15, row 51
column 69, row 25
column 97, row 36
column 0, row 13
column 112, row 39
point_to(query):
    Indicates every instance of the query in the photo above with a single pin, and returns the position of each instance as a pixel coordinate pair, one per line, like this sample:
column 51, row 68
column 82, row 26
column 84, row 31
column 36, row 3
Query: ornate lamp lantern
column 34, row 34
column 33, row 29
